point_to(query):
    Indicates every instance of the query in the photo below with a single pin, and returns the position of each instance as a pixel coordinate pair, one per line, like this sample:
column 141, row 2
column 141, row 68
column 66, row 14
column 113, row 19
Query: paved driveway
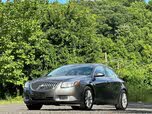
column 102, row 109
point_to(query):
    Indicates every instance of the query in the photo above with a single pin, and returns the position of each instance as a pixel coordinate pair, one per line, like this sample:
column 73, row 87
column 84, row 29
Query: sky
column 64, row 1
column 146, row 1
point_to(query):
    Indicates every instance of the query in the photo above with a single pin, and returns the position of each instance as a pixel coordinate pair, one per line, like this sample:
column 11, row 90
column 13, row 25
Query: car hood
column 64, row 78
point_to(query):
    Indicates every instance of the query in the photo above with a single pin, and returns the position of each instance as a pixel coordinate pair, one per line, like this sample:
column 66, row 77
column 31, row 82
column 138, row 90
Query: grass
column 10, row 100
column 139, row 94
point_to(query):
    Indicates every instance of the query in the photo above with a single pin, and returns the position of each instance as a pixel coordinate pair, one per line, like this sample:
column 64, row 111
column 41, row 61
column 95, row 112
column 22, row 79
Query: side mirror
column 99, row 75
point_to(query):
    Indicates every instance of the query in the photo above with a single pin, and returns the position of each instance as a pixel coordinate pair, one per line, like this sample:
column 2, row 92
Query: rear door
column 115, row 85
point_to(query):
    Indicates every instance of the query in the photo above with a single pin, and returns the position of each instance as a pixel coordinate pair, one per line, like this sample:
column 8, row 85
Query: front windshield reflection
column 71, row 71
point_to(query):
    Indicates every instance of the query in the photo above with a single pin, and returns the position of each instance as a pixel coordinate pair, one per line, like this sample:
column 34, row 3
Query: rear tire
column 122, row 102
column 34, row 107
column 75, row 107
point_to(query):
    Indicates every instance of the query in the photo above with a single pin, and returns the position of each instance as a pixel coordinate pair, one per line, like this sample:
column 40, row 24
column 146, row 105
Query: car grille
column 42, row 86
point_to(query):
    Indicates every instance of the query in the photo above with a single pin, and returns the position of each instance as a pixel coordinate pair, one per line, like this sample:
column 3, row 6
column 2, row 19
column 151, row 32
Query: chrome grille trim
column 43, row 86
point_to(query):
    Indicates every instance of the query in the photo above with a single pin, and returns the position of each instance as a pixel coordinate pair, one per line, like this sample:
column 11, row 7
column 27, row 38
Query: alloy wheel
column 124, row 100
column 88, row 98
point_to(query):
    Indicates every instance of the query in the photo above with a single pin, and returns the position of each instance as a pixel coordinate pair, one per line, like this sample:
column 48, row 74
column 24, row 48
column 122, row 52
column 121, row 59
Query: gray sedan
column 77, row 85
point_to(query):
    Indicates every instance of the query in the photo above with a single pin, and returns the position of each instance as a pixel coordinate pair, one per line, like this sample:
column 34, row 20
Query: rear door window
column 110, row 73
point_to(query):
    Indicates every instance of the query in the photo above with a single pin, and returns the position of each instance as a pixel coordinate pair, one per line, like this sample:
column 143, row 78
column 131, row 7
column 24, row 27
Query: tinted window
column 99, row 69
column 110, row 73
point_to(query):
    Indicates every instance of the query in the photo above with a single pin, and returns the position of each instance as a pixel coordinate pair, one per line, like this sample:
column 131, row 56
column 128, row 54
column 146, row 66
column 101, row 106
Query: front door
column 102, row 86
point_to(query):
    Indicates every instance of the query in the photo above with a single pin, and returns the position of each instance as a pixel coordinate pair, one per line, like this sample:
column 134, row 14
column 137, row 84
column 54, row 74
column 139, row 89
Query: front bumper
column 55, row 96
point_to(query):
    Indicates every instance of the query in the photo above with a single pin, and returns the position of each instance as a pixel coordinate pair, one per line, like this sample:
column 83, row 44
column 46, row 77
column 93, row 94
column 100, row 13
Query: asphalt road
column 102, row 109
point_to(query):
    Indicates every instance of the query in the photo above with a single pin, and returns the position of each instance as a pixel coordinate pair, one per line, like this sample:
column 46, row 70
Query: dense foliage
column 36, row 37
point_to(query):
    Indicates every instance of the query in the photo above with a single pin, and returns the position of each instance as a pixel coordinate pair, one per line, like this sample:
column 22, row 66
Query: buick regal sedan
column 77, row 85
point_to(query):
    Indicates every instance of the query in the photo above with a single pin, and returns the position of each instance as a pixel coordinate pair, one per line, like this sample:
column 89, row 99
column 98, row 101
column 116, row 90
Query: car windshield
column 71, row 71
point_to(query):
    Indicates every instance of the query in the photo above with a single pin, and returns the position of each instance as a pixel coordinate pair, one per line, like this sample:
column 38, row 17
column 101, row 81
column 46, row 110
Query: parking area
column 102, row 109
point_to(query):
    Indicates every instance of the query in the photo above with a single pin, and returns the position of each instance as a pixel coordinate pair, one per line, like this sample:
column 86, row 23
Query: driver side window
column 99, row 69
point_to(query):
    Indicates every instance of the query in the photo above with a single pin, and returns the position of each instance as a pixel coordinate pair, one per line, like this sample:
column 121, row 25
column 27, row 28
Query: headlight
column 27, row 84
column 70, row 84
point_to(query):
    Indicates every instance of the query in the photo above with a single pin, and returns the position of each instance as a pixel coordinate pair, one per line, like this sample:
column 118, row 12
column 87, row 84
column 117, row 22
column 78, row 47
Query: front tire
column 122, row 102
column 34, row 107
column 87, row 99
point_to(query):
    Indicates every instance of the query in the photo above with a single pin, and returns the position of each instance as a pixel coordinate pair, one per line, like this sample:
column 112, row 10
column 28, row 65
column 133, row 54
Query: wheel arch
column 124, row 89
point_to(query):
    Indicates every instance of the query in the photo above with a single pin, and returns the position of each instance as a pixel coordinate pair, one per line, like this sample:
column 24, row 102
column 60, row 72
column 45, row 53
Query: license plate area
column 38, row 95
